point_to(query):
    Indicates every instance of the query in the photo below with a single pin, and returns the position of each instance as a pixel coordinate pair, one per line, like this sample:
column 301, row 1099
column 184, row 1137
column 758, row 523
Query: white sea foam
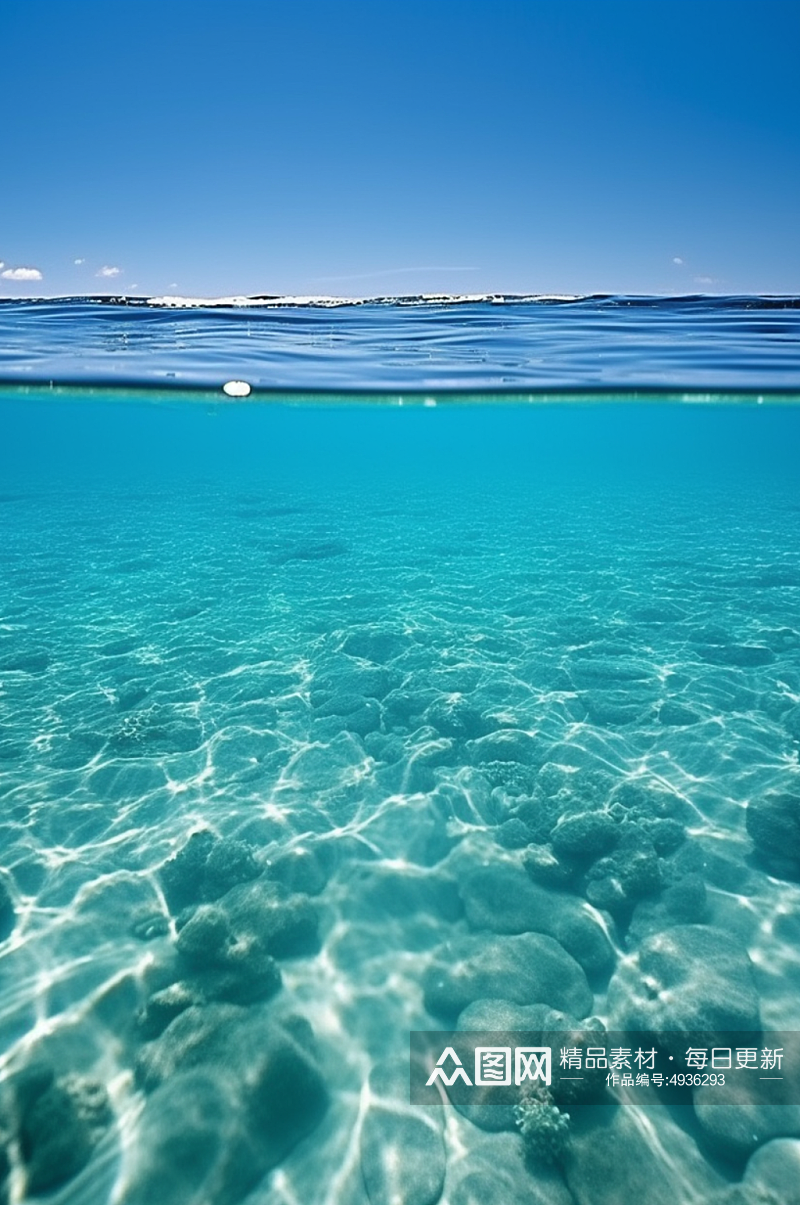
column 323, row 300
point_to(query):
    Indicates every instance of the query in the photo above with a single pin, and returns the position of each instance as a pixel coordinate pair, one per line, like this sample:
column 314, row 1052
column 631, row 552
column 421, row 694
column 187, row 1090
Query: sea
column 399, row 733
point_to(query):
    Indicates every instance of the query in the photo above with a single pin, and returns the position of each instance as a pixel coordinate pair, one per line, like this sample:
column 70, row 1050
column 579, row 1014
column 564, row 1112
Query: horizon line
column 270, row 300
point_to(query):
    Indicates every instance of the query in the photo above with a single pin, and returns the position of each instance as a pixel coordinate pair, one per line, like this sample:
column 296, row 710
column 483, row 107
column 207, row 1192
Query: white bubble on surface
column 236, row 388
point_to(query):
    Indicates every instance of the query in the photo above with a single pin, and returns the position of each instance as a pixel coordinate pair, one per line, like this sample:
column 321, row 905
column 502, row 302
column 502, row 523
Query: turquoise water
column 322, row 723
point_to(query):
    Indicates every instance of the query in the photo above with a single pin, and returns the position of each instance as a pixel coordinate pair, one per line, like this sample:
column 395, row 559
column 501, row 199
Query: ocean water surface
column 450, row 682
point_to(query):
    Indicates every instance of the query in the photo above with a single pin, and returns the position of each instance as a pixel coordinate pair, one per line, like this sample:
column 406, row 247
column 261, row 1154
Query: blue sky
column 362, row 147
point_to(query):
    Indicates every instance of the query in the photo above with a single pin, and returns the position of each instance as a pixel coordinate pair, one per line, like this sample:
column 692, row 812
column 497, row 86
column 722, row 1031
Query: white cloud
column 704, row 280
column 79, row 261
column 676, row 259
column 106, row 271
column 22, row 274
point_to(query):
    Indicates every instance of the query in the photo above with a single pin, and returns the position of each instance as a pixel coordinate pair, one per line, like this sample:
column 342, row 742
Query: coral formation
column 544, row 1128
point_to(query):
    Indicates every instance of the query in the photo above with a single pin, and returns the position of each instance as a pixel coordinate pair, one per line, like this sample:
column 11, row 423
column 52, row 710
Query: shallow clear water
column 343, row 719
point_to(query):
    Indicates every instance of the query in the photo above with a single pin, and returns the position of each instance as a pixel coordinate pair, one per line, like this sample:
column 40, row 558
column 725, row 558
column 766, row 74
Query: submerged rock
column 303, row 869
column 226, row 950
column 614, row 708
column 225, row 964
column 458, row 718
column 675, row 715
column 374, row 891
column 688, row 978
column 158, row 731
column 402, row 1156
column 348, row 713
column 791, row 722
column 526, row 969
column 500, row 1019
column 31, row 661
column 586, row 836
column 376, row 645
column 744, row 656
column 746, row 1111
column 165, row 1005
column 773, row 1173
column 205, row 937
column 501, row 897
column 684, row 902
column 632, row 871
column 506, row 745
column 614, row 1156
column 503, row 1187
column 205, row 868
column 193, row 1144
column 666, row 835
column 773, row 823
column 8, row 916
column 497, row 1016
column 286, row 924
column 5, row 1166
column 487, row 1016
column 493, row 1172
column 514, row 834
column 231, row 1091
column 61, row 1120
column 544, row 867
column 343, row 675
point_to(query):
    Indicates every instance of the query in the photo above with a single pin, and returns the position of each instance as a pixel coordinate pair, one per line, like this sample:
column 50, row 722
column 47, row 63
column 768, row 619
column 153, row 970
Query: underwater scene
column 346, row 737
